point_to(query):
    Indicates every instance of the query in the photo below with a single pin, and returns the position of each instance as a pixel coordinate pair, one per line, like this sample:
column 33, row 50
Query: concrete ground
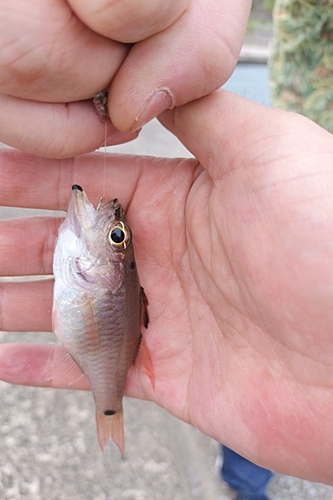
column 48, row 441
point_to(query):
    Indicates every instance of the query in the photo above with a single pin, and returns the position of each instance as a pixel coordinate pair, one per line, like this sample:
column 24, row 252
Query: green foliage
column 269, row 4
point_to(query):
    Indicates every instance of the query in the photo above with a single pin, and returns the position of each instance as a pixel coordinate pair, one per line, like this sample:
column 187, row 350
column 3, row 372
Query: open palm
column 235, row 252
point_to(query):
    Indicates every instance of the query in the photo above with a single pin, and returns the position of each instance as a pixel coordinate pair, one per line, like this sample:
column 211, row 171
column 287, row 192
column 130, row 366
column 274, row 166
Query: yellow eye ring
column 119, row 235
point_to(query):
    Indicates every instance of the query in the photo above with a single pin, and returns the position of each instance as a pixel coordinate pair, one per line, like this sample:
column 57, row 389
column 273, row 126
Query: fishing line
column 104, row 159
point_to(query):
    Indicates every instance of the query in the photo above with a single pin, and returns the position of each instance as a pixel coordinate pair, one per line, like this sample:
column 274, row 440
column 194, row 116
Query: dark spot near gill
column 76, row 187
column 110, row 412
column 132, row 265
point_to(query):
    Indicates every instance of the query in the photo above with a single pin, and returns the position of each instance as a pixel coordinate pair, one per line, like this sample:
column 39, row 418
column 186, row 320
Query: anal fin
column 144, row 362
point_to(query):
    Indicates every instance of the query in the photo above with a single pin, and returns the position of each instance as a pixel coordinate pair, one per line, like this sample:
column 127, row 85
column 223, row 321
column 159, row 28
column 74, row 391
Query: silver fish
column 99, row 305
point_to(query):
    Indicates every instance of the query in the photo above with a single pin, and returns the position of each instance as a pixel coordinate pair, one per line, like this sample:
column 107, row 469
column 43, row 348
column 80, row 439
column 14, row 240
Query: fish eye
column 119, row 235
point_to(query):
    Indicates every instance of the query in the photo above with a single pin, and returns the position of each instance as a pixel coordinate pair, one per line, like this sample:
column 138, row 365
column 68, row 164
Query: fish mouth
column 114, row 204
column 80, row 210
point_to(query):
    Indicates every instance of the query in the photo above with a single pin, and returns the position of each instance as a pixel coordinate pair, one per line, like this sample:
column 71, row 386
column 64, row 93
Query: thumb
column 128, row 21
column 190, row 59
column 226, row 132
column 217, row 129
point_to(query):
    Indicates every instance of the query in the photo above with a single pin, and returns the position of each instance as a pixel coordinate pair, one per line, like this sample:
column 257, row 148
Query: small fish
column 99, row 305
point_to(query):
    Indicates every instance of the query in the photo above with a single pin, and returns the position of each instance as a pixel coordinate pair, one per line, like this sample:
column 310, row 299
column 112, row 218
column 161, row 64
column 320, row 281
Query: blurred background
column 49, row 449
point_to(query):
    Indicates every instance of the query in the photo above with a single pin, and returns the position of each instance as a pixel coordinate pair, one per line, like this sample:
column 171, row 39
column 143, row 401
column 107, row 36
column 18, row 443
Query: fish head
column 95, row 244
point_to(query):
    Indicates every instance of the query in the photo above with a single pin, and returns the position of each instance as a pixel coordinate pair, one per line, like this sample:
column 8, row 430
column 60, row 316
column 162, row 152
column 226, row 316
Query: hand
column 235, row 252
column 55, row 56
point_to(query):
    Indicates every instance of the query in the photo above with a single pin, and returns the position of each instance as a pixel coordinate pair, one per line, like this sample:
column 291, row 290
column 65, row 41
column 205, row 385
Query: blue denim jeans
column 249, row 480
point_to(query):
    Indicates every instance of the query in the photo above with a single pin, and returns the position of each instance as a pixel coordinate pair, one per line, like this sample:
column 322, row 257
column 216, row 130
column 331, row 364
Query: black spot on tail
column 76, row 186
column 110, row 412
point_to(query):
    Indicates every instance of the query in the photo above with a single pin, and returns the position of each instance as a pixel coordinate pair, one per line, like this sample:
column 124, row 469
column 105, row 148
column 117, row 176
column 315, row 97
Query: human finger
column 49, row 365
column 29, row 181
column 36, row 236
column 128, row 21
column 55, row 130
column 50, row 180
column 190, row 59
column 26, row 306
column 220, row 130
column 40, row 365
column 47, row 54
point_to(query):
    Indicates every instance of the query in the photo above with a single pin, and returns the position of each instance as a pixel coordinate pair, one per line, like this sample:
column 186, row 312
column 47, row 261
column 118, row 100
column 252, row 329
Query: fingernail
column 161, row 100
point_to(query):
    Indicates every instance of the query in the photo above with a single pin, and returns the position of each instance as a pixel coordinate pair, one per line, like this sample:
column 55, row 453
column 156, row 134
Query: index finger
column 47, row 54
column 28, row 181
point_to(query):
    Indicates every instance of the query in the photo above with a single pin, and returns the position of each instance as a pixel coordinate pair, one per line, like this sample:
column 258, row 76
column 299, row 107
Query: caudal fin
column 111, row 426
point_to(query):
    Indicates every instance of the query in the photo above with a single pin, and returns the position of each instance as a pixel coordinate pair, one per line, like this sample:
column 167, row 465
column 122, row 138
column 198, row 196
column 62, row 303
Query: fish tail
column 111, row 426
